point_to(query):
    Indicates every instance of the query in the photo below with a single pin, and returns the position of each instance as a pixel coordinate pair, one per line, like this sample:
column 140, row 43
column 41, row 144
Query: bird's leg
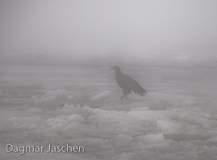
column 124, row 96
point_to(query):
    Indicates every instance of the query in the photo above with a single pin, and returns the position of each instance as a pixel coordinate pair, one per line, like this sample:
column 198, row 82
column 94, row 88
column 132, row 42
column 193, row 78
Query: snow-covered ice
column 100, row 96
column 59, row 104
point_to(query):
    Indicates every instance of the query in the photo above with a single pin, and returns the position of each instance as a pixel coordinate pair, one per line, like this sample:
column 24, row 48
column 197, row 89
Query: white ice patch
column 70, row 97
column 59, row 93
column 17, row 124
column 168, row 126
column 57, row 127
column 43, row 100
column 67, row 109
column 35, row 110
column 188, row 102
column 123, row 139
column 100, row 96
column 148, row 139
column 107, row 131
column 125, row 156
column 147, row 115
column 196, row 109
column 162, row 147
column 141, row 109
column 33, row 127
column 73, row 131
column 75, row 118
column 195, row 119
column 214, row 140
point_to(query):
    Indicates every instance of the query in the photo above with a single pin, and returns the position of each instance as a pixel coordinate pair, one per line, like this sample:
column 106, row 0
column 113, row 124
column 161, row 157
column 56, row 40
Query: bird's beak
column 112, row 67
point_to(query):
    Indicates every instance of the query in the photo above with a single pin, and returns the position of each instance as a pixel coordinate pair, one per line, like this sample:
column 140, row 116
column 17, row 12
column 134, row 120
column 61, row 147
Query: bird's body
column 127, row 83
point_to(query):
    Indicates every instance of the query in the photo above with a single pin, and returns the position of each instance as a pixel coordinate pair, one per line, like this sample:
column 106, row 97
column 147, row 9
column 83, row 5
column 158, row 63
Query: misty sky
column 124, row 25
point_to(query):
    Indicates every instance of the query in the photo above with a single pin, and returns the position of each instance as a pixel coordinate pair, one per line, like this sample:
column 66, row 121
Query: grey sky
column 125, row 25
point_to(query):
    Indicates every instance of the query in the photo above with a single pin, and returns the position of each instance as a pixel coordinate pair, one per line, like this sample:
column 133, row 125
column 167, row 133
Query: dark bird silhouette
column 127, row 83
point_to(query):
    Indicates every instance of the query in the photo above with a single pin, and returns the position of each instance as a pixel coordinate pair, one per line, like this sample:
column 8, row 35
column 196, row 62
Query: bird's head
column 116, row 68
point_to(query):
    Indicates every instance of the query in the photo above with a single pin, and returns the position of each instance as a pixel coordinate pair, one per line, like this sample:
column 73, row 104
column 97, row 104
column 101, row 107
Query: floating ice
column 207, row 126
column 185, row 137
column 74, row 118
column 21, row 124
column 186, row 117
column 188, row 102
column 168, row 126
column 141, row 109
column 70, row 97
column 43, row 100
column 125, row 156
column 147, row 139
column 33, row 126
column 162, row 147
column 147, row 115
column 59, row 93
column 212, row 140
column 35, row 110
column 124, row 139
column 117, row 130
column 196, row 109
column 67, row 107
column 207, row 116
column 57, row 127
column 100, row 96
column 73, row 131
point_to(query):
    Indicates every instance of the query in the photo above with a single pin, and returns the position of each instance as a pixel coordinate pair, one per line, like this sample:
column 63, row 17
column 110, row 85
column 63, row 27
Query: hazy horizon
column 134, row 27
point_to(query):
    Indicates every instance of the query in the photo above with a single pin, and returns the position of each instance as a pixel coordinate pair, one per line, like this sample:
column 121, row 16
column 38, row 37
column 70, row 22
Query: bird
column 127, row 83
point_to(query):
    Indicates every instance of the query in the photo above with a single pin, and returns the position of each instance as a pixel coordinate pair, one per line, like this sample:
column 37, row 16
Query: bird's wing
column 133, row 85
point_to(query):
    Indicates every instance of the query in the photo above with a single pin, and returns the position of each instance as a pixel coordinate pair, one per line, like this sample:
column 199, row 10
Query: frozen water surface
column 77, row 102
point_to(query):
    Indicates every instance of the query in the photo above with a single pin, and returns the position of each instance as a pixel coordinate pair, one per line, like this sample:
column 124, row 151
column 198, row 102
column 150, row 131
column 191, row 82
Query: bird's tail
column 143, row 92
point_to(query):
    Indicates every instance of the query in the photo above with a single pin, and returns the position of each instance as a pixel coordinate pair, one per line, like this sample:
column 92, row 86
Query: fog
column 57, row 88
column 130, row 27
